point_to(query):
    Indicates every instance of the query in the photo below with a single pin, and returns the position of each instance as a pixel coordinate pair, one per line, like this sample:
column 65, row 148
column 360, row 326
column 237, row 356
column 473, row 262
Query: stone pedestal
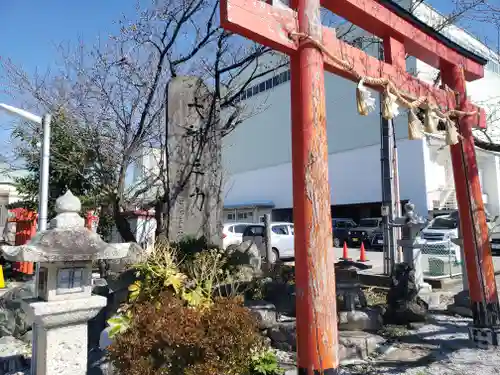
column 61, row 333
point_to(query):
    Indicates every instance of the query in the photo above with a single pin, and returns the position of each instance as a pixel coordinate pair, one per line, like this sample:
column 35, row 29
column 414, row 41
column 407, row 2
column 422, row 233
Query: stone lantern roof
column 67, row 239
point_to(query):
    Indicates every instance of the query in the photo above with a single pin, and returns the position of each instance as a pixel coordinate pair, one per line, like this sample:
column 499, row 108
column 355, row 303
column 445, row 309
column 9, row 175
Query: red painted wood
column 395, row 53
column 261, row 22
column 380, row 21
column 470, row 200
column 271, row 26
column 317, row 337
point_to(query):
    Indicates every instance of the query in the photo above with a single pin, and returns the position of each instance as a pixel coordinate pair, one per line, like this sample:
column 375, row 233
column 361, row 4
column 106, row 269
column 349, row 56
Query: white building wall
column 257, row 155
column 491, row 184
column 264, row 140
column 354, row 177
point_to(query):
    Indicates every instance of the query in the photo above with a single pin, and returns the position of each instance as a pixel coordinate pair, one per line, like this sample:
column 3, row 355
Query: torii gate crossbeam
column 315, row 49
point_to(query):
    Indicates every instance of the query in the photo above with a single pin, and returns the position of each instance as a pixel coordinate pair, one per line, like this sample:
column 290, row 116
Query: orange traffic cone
column 345, row 255
column 362, row 253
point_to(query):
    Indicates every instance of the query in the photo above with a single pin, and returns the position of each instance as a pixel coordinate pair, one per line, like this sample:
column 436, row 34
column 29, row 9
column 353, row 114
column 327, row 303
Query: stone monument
column 64, row 304
column 193, row 161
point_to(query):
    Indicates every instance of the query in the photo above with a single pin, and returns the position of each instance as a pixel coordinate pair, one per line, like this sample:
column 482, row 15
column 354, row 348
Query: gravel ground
column 438, row 348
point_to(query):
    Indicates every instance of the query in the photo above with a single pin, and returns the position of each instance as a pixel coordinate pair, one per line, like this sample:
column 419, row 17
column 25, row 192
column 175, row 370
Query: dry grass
column 375, row 296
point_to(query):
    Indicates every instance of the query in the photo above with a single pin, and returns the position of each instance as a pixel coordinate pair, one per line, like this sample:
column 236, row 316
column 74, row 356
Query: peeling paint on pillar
column 480, row 271
column 317, row 339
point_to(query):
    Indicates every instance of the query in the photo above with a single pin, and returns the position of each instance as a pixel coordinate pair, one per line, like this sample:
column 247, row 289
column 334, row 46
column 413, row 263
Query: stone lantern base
column 60, row 331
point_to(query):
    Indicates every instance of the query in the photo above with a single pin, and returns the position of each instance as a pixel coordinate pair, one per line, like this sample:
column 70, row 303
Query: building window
column 69, row 280
column 268, row 84
column 230, row 216
column 245, row 215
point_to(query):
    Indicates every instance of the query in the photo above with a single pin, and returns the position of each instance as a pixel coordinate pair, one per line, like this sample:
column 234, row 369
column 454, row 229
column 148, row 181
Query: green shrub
column 191, row 280
column 174, row 325
column 265, row 362
column 158, row 273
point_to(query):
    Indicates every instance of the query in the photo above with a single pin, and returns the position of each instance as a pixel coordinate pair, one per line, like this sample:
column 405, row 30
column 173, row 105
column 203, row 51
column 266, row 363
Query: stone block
column 462, row 298
column 282, row 296
column 461, row 304
column 13, row 320
column 360, row 320
column 284, row 336
column 460, row 310
column 264, row 312
column 431, row 298
column 357, row 345
column 13, row 355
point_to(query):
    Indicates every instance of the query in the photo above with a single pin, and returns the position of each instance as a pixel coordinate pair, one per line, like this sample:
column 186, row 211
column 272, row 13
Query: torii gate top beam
column 385, row 18
column 272, row 26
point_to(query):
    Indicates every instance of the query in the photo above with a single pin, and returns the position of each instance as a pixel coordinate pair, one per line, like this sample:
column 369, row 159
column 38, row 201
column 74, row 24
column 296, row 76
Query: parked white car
column 282, row 239
column 232, row 234
column 438, row 235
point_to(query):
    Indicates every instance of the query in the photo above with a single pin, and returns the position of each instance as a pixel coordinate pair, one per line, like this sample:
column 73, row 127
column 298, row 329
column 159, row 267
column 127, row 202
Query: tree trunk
column 122, row 224
column 161, row 223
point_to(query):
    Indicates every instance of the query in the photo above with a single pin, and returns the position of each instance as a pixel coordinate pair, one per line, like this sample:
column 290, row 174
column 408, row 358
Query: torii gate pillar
column 297, row 32
column 317, row 338
column 480, row 272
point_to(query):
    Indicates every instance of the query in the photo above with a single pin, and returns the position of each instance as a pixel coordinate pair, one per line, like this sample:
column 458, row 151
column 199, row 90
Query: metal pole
column 43, row 194
column 43, row 187
column 385, row 164
column 386, row 161
column 267, row 241
column 317, row 337
column 43, row 198
column 474, row 229
column 397, row 198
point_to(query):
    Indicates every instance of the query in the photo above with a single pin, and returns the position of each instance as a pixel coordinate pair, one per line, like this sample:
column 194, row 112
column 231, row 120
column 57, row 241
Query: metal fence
column 441, row 259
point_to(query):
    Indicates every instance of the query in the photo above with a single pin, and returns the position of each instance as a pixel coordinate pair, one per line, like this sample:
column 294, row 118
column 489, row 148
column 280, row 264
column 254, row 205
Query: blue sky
column 30, row 29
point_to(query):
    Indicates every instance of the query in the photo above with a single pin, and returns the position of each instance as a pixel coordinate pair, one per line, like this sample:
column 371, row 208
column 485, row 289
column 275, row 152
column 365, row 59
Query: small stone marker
column 65, row 303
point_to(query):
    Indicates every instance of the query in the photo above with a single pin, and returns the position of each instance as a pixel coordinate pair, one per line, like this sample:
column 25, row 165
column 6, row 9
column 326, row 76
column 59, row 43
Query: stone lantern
column 411, row 225
column 65, row 304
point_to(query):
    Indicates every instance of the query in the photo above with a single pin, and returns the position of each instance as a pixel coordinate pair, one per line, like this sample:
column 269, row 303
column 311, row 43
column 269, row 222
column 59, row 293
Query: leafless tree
column 114, row 93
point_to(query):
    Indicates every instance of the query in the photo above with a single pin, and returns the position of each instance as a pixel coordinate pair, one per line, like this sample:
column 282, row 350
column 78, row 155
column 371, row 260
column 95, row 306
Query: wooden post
column 474, row 229
column 317, row 337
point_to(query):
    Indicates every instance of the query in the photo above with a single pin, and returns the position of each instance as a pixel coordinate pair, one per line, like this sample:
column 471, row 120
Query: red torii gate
column 298, row 33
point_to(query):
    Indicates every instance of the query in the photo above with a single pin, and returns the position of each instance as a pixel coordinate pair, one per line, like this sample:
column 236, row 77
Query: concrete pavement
column 375, row 258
